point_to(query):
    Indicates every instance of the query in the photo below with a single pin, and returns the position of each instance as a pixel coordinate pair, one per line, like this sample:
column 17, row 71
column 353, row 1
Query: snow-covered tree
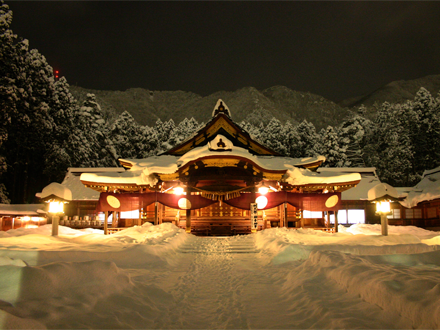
column 306, row 141
column 353, row 134
column 7, row 87
column 390, row 148
column 426, row 133
column 334, row 154
column 272, row 137
column 92, row 123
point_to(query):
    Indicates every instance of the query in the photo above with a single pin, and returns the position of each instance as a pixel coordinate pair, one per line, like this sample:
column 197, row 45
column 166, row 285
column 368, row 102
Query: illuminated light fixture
column 178, row 190
column 383, row 194
column 26, row 218
column 184, row 203
column 263, row 189
column 261, row 202
column 332, row 201
column 56, row 207
column 383, row 207
column 273, row 189
column 113, row 201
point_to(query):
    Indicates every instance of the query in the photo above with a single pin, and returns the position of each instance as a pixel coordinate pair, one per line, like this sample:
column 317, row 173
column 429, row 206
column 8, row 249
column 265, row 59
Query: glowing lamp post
column 383, row 194
column 56, row 195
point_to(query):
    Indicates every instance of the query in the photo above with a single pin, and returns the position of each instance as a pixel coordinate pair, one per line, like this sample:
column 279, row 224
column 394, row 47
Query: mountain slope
column 246, row 104
column 396, row 92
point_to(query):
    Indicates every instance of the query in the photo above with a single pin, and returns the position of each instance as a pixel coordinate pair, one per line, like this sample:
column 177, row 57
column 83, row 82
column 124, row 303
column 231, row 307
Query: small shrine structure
column 216, row 181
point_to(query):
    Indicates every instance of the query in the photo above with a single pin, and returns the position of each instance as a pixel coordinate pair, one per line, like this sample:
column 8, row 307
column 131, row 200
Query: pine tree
column 95, row 128
column 7, row 88
column 426, row 133
column 334, row 154
column 127, row 136
column 353, row 136
column 390, row 149
column 272, row 136
column 306, row 141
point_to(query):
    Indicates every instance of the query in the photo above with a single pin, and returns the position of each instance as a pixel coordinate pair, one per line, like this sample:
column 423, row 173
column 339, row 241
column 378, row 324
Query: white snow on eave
column 266, row 162
column 362, row 170
column 22, row 209
column 298, row 176
column 143, row 171
column 427, row 189
column 360, row 192
column 369, row 179
column 79, row 191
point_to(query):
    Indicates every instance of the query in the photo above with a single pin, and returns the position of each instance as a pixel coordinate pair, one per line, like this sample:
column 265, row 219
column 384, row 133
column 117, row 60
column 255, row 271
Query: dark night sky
column 334, row 49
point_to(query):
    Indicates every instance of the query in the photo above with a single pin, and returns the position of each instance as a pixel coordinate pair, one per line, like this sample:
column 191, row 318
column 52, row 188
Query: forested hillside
column 250, row 104
column 45, row 129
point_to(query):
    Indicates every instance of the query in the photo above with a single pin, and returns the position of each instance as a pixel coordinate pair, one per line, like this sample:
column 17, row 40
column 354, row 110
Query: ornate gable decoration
column 220, row 143
column 221, row 123
column 220, row 107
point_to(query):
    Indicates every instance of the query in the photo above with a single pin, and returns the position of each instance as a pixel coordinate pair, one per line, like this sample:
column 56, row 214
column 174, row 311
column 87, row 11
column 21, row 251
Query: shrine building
column 220, row 181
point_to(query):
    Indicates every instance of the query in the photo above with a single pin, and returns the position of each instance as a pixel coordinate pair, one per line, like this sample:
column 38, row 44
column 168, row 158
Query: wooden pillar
column 188, row 221
column 336, row 221
column 156, row 215
column 1, row 223
column 253, row 198
column 114, row 222
column 140, row 217
column 106, row 223
column 188, row 214
column 285, row 215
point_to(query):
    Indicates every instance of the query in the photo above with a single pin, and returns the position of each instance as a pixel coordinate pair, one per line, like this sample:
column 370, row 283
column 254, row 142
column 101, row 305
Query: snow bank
column 412, row 292
column 287, row 245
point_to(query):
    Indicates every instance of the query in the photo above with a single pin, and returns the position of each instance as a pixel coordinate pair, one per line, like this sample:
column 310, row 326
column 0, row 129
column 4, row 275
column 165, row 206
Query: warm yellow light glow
column 178, row 190
column 383, row 207
column 26, row 218
column 56, row 207
column 261, row 202
column 263, row 190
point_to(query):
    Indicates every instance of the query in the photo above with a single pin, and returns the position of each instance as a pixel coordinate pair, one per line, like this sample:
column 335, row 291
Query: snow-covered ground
column 159, row 277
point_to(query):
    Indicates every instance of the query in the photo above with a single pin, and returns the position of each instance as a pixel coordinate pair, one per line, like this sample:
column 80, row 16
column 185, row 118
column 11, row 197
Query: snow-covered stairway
column 219, row 245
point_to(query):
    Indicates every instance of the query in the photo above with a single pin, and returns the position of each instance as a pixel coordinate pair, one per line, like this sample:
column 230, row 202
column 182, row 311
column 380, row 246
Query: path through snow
column 227, row 283
column 159, row 277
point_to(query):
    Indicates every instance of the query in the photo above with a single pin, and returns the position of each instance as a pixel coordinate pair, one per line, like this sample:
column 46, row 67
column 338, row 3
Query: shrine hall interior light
column 263, row 190
column 178, row 190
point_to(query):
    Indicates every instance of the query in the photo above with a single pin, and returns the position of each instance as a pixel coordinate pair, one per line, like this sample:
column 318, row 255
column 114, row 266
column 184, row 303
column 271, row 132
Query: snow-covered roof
column 57, row 190
column 300, row 176
column 79, row 191
column 382, row 190
column 22, row 209
column 369, row 179
column 426, row 190
column 142, row 170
